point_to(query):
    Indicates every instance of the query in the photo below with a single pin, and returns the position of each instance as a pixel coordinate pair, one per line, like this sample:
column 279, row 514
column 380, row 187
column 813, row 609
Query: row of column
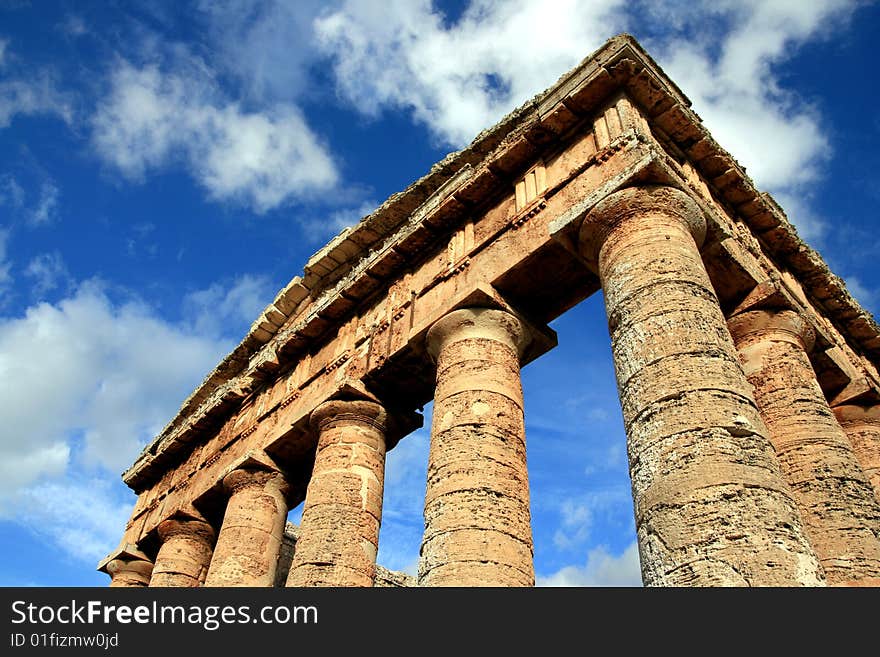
column 741, row 472
column 339, row 533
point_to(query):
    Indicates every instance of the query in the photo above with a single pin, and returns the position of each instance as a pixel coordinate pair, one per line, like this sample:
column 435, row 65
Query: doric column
column 129, row 572
column 477, row 523
column 250, row 538
column 339, row 533
column 862, row 427
column 836, row 501
column 183, row 559
column 711, row 506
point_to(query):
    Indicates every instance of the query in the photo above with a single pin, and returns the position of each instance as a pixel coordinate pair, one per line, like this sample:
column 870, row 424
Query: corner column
column 711, row 505
column 127, row 566
column 862, row 426
column 183, row 559
column 133, row 573
column 249, row 543
column 840, row 513
column 477, row 521
column 339, row 533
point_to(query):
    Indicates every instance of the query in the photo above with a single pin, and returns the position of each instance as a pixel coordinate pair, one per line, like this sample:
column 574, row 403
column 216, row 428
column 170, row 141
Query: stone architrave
column 183, row 559
column 250, row 538
column 130, row 573
column 339, row 534
column 840, row 513
column 862, row 427
column 477, row 521
column 711, row 505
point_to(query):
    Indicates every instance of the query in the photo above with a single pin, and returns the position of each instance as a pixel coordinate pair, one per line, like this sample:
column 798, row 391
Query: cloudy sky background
column 166, row 167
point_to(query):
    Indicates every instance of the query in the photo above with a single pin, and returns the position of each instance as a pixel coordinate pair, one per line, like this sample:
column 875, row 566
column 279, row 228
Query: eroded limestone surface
column 838, row 506
column 711, row 505
column 607, row 181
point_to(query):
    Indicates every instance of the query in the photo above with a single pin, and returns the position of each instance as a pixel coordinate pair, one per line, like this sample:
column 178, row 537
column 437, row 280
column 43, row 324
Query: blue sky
column 166, row 167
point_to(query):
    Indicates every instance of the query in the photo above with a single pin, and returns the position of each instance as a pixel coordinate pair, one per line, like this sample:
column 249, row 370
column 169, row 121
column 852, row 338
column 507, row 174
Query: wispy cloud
column 46, row 209
column 35, row 95
column 227, row 307
column 48, row 273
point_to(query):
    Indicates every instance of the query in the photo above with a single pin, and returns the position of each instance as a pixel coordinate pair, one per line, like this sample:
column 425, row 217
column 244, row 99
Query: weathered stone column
column 838, row 506
column 711, row 506
column 129, row 572
column 862, row 427
column 247, row 548
column 183, row 559
column 477, row 522
column 339, row 533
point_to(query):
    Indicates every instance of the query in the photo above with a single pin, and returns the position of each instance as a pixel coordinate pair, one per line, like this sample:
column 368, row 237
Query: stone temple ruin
column 747, row 374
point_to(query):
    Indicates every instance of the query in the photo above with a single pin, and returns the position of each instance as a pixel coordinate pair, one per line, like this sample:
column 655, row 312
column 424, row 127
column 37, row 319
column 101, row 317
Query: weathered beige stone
column 477, row 523
column 131, row 573
column 711, row 505
column 183, row 559
column 862, row 427
column 499, row 223
column 249, row 543
column 339, row 533
column 840, row 513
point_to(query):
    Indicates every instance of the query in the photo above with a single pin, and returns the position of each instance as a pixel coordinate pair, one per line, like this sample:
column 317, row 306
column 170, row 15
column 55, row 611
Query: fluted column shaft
column 862, row 427
column 134, row 573
column 711, row 505
column 183, row 559
column 339, row 534
column 836, row 501
column 477, row 522
column 249, row 542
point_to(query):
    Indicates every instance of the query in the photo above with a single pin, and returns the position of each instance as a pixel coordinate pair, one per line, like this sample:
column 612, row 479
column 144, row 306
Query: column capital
column 136, row 570
column 475, row 323
column 343, row 412
column 854, row 414
column 788, row 325
column 178, row 525
column 617, row 207
column 247, row 477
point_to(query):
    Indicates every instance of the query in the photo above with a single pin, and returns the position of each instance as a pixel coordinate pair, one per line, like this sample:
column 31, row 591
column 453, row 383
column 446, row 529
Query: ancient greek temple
column 747, row 374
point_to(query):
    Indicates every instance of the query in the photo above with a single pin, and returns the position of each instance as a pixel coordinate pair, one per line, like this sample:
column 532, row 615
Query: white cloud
column 5, row 277
column 229, row 309
column 323, row 229
column 11, row 193
column 73, row 26
column 577, row 520
column 48, row 273
column 37, row 94
column 601, row 569
column 84, row 515
column 578, row 512
column 268, row 45
column 152, row 118
column 864, row 294
column 92, row 379
column 4, row 43
column 461, row 78
column 46, row 209
column 735, row 88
